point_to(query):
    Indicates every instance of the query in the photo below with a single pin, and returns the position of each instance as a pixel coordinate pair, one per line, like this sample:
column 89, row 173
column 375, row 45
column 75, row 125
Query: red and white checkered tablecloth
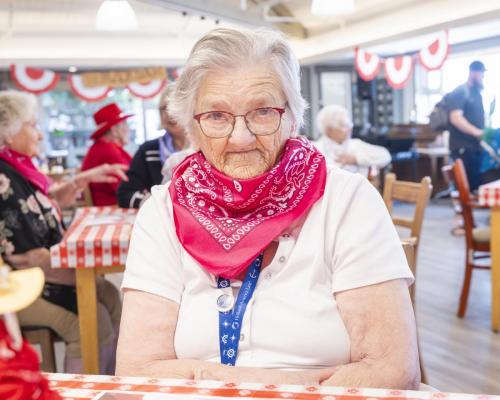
column 90, row 386
column 98, row 237
column 489, row 194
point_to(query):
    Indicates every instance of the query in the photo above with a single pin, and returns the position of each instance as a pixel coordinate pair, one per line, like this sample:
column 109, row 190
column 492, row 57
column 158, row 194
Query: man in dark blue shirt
column 145, row 168
column 466, row 110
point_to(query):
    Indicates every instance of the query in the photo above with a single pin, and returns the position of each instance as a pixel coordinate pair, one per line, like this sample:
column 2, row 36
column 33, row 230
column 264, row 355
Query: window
column 67, row 121
column 431, row 86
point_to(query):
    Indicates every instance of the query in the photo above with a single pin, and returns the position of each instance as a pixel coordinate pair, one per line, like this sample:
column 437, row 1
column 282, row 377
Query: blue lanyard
column 230, row 321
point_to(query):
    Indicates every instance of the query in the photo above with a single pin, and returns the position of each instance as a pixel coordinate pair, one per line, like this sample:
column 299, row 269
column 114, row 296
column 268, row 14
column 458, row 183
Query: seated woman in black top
column 30, row 224
column 145, row 168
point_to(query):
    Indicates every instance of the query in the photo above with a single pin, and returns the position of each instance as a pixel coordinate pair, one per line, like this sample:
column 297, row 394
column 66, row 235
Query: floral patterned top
column 28, row 218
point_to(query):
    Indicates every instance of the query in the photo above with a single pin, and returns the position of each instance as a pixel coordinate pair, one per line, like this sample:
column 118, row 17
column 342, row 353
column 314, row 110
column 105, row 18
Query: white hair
column 331, row 116
column 16, row 108
column 169, row 90
column 222, row 49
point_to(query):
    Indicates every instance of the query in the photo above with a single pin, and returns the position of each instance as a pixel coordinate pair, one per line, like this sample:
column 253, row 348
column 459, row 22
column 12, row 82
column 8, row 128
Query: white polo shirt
column 292, row 322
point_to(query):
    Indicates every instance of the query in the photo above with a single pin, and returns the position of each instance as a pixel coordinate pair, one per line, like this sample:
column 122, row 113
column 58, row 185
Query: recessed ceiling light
column 332, row 7
column 72, row 69
column 116, row 15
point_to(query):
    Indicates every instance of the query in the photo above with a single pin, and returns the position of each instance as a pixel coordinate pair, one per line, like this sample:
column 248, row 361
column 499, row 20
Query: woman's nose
column 241, row 136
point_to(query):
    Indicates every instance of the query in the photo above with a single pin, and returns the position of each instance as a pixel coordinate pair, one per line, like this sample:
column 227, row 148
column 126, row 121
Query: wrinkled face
column 341, row 132
column 169, row 123
column 120, row 133
column 26, row 141
column 242, row 155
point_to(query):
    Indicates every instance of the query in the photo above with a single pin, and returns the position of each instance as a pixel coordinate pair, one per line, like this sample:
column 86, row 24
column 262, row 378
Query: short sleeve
column 456, row 99
column 153, row 261
column 367, row 249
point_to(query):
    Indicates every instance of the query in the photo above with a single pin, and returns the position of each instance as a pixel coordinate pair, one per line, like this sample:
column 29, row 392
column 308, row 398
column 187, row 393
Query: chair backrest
column 85, row 199
column 409, row 247
column 408, row 192
column 464, row 196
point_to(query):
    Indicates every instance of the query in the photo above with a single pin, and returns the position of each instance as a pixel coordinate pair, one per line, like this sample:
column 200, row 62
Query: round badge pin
column 225, row 302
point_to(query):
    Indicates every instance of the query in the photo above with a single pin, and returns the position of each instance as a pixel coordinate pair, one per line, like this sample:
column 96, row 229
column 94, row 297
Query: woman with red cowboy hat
column 110, row 136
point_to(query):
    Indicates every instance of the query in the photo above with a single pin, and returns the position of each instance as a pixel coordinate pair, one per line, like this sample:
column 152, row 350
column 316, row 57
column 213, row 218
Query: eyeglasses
column 262, row 121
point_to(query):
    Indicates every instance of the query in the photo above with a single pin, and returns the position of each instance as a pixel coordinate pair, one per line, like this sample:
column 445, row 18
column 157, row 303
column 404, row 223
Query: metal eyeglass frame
column 281, row 111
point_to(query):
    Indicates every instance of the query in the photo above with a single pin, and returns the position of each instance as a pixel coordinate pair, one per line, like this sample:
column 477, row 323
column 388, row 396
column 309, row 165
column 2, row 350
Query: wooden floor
column 460, row 355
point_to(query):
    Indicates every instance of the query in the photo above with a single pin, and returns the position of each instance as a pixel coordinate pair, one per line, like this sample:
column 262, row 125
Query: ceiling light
column 332, row 7
column 72, row 69
column 115, row 15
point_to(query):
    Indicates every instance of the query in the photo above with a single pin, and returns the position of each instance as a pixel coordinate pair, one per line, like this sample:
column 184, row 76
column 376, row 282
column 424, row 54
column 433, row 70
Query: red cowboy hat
column 106, row 117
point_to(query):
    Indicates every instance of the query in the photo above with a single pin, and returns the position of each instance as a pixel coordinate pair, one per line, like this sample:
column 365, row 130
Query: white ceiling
column 60, row 33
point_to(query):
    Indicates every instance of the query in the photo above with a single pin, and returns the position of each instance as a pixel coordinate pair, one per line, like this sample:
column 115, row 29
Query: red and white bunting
column 87, row 93
column 33, row 80
column 147, row 90
column 398, row 70
column 367, row 64
column 433, row 56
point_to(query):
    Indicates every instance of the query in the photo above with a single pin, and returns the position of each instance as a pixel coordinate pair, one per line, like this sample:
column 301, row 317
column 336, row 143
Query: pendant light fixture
column 116, row 15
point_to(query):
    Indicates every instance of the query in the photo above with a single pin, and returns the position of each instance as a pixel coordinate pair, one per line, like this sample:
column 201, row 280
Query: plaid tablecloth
column 489, row 194
column 98, row 237
column 90, row 386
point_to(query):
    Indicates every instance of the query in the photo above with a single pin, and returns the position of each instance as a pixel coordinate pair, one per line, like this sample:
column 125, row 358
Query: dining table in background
column 96, row 243
column 489, row 196
column 73, row 387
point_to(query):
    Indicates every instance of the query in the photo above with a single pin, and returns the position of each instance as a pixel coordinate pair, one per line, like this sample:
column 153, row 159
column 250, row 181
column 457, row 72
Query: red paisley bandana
column 225, row 223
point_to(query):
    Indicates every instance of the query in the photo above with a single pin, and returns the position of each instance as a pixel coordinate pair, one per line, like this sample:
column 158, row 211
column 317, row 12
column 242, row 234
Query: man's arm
column 458, row 120
column 132, row 193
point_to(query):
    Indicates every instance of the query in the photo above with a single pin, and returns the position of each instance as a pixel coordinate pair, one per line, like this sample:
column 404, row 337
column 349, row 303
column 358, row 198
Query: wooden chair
column 43, row 337
column 408, row 192
column 457, row 229
column 409, row 246
column 85, row 199
column 477, row 240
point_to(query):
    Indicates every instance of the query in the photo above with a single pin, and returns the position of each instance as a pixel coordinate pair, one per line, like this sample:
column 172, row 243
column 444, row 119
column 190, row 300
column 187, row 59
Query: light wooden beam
column 295, row 29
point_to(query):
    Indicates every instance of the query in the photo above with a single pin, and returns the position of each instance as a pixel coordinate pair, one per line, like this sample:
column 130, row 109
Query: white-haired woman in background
column 354, row 155
column 258, row 263
column 30, row 223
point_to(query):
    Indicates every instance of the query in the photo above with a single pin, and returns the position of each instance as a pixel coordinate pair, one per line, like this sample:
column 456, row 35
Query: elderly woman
column 336, row 144
column 30, row 224
column 146, row 167
column 111, row 134
column 258, row 263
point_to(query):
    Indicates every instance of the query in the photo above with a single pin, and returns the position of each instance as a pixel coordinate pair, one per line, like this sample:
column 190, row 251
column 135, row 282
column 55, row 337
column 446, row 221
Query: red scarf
column 225, row 223
column 23, row 164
